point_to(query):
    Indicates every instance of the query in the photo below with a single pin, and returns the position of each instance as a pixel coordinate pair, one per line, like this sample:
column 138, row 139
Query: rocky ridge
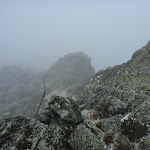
column 114, row 114
column 121, row 97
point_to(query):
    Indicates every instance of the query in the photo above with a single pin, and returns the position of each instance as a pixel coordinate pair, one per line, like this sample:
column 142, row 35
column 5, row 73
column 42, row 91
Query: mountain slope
column 116, row 116
column 122, row 81
column 121, row 98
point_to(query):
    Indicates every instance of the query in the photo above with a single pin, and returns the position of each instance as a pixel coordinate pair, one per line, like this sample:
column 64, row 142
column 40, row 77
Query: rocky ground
column 112, row 113
column 59, row 126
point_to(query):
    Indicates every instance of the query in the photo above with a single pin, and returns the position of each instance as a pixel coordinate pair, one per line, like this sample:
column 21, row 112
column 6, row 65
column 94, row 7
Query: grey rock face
column 14, row 133
column 117, row 106
column 121, row 96
column 61, row 110
column 88, row 137
column 22, row 134
column 111, row 107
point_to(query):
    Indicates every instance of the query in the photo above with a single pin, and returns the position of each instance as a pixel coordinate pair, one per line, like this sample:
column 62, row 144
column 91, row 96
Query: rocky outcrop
column 70, row 73
column 22, row 134
column 14, row 133
column 64, row 130
column 53, row 130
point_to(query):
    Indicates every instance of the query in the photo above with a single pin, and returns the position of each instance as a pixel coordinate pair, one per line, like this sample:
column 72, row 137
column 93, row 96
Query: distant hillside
column 70, row 73
column 18, row 88
column 21, row 90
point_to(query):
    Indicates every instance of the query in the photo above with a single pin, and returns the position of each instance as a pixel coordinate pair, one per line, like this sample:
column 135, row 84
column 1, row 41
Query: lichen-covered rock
column 21, row 134
column 88, row 137
column 112, row 124
column 59, row 117
column 111, row 107
column 62, row 110
column 14, row 133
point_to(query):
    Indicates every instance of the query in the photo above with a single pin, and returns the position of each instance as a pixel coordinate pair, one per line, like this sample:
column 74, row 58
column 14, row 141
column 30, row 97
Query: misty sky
column 35, row 33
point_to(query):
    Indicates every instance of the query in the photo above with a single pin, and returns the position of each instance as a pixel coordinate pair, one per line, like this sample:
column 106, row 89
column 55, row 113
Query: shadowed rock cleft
column 133, row 130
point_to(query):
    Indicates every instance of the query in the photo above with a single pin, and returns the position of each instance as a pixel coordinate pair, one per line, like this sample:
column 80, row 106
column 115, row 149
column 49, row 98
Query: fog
column 37, row 33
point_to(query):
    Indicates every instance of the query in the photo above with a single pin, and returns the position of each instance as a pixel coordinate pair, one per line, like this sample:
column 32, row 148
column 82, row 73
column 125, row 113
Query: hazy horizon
column 37, row 33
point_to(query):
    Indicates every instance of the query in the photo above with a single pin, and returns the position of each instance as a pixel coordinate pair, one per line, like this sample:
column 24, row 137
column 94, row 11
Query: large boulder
column 62, row 111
